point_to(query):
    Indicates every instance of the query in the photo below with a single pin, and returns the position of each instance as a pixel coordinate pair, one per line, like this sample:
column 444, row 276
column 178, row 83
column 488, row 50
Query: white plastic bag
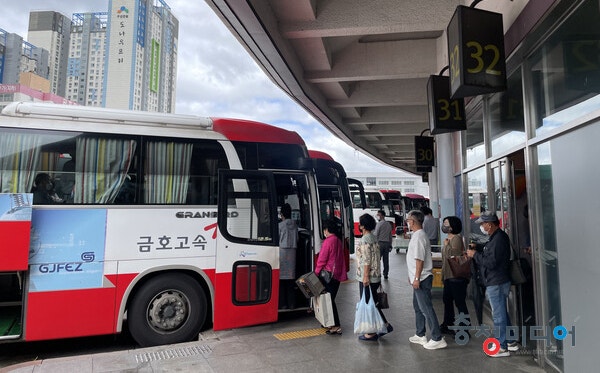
column 367, row 319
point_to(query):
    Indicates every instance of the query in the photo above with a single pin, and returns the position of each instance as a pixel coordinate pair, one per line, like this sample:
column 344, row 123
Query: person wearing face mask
column 368, row 272
column 420, row 277
column 455, row 288
column 383, row 233
column 494, row 262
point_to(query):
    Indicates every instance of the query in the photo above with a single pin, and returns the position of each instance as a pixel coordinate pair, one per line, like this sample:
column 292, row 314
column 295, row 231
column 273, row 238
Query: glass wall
column 565, row 71
column 507, row 125
column 477, row 202
column 474, row 138
column 546, row 255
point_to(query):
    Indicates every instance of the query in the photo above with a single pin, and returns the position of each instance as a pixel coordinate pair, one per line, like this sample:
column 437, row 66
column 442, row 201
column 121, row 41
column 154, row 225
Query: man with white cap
column 494, row 263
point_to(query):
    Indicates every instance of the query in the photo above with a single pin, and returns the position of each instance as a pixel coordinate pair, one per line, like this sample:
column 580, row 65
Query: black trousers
column 454, row 294
column 332, row 288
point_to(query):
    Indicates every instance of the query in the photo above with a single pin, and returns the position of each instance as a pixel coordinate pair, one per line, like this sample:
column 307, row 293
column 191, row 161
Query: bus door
column 359, row 202
column 247, row 259
column 15, row 228
column 504, row 204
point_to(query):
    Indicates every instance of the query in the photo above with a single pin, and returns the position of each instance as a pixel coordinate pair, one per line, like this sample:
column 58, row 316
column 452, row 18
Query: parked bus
column 166, row 222
column 378, row 199
column 334, row 195
column 414, row 201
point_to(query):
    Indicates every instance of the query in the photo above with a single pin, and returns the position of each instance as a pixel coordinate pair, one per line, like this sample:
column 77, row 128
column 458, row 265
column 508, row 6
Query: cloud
column 216, row 77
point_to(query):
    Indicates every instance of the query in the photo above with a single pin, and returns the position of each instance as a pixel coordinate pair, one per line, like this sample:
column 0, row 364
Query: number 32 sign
column 476, row 52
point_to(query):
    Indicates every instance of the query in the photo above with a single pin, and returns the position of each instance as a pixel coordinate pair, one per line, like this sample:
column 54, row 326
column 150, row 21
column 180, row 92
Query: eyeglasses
column 410, row 219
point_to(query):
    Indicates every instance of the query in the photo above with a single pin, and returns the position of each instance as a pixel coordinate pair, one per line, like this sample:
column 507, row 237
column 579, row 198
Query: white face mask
column 483, row 230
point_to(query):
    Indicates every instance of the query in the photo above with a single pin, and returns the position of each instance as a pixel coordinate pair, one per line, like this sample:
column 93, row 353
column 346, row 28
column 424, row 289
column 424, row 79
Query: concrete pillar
column 445, row 177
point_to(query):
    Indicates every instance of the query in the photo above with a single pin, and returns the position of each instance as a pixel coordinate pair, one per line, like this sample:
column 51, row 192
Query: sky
column 216, row 77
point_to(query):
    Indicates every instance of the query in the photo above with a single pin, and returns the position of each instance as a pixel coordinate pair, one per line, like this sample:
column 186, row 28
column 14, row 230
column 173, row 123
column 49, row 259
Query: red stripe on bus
column 230, row 315
column 14, row 248
column 70, row 313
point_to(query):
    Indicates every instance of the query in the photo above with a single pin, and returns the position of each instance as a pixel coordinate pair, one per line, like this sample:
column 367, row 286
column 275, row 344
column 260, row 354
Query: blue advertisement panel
column 67, row 249
column 15, row 206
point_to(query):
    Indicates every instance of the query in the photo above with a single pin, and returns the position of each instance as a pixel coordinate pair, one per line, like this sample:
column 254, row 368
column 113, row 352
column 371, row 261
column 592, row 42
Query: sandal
column 332, row 331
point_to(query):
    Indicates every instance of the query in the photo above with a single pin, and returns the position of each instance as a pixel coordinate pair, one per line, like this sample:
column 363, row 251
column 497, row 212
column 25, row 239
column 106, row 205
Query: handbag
column 517, row 276
column 325, row 276
column 460, row 266
column 367, row 319
column 382, row 298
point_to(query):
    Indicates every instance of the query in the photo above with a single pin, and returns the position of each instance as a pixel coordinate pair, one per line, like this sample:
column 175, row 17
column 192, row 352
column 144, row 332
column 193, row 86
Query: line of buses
column 392, row 202
column 168, row 223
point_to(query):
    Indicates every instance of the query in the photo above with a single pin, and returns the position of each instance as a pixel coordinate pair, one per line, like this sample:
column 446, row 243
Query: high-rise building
column 18, row 56
column 87, row 58
column 51, row 30
column 141, row 62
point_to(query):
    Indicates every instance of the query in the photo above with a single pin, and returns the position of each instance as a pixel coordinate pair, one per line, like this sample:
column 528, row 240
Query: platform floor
column 296, row 343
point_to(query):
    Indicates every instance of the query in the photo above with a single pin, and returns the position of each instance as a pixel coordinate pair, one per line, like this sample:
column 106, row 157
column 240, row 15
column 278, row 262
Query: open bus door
column 357, row 190
column 15, row 230
column 247, row 260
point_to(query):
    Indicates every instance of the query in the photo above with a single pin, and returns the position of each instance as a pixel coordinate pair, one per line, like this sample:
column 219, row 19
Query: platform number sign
column 424, row 153
column 445, row 114
column 476, row 52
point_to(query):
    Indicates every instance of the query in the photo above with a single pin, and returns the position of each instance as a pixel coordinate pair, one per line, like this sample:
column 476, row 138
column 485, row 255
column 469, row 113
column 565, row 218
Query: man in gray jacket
column 383, row 233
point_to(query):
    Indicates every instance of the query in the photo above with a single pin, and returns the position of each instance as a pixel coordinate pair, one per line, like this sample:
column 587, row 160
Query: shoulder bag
column 325, row 276
column 517, row 276
column 460, row 266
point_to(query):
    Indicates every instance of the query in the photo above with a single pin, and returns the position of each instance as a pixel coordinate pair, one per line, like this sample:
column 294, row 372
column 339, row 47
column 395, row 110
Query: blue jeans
column 424, row 310
column 497, row 295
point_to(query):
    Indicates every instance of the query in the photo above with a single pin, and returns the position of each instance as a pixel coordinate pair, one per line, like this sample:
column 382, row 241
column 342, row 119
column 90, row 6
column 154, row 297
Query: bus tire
column 168, row 309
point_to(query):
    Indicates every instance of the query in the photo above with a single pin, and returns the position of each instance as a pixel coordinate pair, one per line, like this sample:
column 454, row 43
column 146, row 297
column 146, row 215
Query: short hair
column 367, row 221
column 332, row 226
column 455, row 223
column 286, row 211
column 418, row 215
column 381, row 212
column 426, row 210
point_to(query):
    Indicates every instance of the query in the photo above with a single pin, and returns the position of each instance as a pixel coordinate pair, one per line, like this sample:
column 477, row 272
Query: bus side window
column 207, row 158
column 65, row 184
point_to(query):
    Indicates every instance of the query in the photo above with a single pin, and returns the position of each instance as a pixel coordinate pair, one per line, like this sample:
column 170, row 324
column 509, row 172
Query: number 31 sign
column 476, row 52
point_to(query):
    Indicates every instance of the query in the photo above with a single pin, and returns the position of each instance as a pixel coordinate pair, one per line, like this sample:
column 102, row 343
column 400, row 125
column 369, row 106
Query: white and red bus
column 414, row 201
column 376, row 199
column 334, row 195
column 166, row 222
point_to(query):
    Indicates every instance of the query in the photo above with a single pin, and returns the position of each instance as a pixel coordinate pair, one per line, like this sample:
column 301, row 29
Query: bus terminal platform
column 297, row 343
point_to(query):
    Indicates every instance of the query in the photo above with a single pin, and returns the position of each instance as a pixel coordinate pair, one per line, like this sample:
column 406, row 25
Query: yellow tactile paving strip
column 300, row 334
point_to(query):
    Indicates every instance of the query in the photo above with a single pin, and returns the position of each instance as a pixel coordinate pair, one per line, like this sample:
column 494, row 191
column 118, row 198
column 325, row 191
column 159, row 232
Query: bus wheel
column 167, row 309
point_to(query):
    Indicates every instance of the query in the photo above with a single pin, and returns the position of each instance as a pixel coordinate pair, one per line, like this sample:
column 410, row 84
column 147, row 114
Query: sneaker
column 513, row 346
column 501, row 353
column 434, row 345
column 418, row 340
